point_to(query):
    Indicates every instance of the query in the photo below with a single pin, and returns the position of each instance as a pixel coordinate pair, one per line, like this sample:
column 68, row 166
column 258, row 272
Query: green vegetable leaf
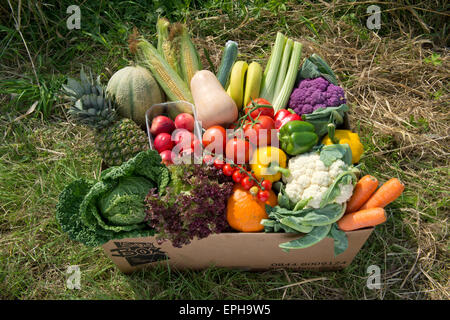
column 310, row 239
column 301, row 204
column 314, row 67
column 334, row 190
column 296, row 224
column 112, row 208
column 333, row 152
column 283, row 199
column 340, row 239
column 321, row 117
column 326, row 215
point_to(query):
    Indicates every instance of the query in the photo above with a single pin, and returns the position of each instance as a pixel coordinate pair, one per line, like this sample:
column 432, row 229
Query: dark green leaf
column 340, row 239
column 315, row 236
column 334, row 190
column 296, row 223
column 321, row 117
column 326, row 215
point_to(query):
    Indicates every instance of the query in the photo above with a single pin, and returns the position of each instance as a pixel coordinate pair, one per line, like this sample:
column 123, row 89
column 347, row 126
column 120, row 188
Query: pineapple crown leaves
column 76, row 89
column 90, row 105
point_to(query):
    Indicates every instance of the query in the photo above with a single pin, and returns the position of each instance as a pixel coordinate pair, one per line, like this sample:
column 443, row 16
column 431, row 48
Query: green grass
column 42, row 152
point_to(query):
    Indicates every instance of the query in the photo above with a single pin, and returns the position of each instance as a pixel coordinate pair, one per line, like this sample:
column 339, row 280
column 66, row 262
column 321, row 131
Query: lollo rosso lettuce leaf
column 112, row 208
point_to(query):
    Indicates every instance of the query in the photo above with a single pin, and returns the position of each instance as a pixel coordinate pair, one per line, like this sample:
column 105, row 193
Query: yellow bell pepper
column 345, row 137
column 269, row 163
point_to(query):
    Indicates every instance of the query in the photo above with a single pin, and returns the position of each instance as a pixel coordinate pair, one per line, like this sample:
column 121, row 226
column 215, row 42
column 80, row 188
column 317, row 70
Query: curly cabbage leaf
column 112, row 208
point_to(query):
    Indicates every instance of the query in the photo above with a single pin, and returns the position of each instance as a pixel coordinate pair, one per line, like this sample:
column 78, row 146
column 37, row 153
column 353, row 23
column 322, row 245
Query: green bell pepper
column 297, row 137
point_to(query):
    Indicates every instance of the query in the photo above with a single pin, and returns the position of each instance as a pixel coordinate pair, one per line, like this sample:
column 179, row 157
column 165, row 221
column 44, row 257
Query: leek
column 283, row 97
column 283, row 68
column 267, row 91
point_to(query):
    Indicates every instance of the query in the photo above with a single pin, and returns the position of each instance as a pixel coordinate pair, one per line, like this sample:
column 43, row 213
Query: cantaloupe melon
column 134, row 91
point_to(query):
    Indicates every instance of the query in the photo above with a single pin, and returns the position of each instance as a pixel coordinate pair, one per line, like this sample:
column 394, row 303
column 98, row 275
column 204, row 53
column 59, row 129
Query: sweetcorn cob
column 168, row 46
column 172, row 84
column 189, row 58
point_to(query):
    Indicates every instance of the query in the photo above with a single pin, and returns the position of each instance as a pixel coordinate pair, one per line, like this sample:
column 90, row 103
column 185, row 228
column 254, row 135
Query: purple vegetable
column 193, row 205
column 312, row 94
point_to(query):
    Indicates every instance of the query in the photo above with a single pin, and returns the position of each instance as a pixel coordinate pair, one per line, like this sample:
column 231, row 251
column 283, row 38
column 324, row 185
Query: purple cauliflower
column 312, row 94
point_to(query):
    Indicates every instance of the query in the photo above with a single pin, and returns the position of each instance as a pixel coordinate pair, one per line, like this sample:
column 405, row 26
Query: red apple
column 162, row 142
column 167, row 157
column 183, row 136
column 185, row 121
column 161, row 124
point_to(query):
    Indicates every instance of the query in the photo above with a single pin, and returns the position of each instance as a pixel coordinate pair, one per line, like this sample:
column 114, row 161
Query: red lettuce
column 193, row 205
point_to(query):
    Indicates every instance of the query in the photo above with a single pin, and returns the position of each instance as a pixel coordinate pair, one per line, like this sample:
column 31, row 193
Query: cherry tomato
column 208, row 159
column 262, row 111
column 247, row 183
column 267, row 185
column 218, row 163
column 237, row 176
column 260, row 134
column 196, row 145
column 238, row 150
column 227, row 170
column 217, row 137
column 263, row 195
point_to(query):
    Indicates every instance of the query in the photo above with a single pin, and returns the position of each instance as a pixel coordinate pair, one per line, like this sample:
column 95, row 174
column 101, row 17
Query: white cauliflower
column 311, row 178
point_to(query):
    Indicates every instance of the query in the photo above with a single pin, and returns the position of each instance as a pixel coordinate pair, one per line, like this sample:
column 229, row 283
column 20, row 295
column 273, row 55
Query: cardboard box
column 247, row 251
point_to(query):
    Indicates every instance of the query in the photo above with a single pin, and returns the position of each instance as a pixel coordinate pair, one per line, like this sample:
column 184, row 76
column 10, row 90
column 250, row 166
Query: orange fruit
column 245, row 211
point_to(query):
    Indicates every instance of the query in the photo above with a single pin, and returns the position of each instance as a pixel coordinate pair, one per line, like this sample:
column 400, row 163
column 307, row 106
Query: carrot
column 388, row 192
column 365, row 187
column 362, row 219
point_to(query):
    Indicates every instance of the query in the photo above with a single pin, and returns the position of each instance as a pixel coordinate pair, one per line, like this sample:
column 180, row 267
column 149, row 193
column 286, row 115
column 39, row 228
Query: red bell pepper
column 284, row 116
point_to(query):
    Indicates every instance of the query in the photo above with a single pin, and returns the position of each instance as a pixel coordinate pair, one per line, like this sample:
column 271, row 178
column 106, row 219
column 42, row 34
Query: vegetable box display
column 224, row 174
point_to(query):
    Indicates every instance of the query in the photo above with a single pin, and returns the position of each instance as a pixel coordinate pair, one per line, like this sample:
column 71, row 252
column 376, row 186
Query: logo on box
column 137, row 253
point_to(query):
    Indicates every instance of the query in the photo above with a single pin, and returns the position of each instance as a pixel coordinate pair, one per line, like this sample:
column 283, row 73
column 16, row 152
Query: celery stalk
column 283, row 67
column 270, row 79
column 283, row 97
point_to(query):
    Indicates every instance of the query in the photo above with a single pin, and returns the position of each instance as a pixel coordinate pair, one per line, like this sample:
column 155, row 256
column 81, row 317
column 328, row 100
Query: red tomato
column 237, row 176
column 267, row 185
column 208, row 159
column 227, row 170
column 218, row 163
column 196, row 145
column 263, row 111
column 260, row 134
column 238, row 150
column 217, row 137
column 247, row 183
column 263, row 195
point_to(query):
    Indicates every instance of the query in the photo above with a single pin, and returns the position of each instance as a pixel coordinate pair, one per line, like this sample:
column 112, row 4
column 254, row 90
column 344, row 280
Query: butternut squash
column 213, row 105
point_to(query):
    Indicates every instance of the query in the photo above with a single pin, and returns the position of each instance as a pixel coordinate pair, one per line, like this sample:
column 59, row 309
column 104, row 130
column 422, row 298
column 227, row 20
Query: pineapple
column 117, row 140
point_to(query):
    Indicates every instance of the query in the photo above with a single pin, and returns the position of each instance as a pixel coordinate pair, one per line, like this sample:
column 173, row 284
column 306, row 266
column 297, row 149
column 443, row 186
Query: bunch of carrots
column 366, row 206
